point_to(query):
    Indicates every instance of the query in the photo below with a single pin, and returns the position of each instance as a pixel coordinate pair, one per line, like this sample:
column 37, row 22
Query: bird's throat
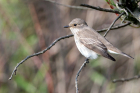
column 74, row 30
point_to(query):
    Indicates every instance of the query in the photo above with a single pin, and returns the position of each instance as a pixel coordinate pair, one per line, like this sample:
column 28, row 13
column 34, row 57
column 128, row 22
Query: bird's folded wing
column 93, row 45
column 93, row 40
column 96, row 46
column 90, row 40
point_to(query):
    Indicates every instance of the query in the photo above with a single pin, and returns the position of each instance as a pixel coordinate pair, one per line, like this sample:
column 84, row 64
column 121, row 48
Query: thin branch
column 100, row 9
column 76, row 79
column 36, row 54
column 69, row 6
column 113, row 23
column 84, row 6
column 126, row 79
column 115, row 27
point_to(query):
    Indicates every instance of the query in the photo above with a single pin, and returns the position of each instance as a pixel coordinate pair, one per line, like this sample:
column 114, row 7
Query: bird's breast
column 84, row 50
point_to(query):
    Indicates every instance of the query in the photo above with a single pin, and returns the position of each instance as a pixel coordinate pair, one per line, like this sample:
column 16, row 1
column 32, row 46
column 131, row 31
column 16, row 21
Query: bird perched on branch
column 90, row 43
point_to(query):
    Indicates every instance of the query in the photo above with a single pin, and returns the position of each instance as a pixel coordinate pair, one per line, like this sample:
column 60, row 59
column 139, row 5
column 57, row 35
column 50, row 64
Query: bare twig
column 76, row 79
column 36, row 54
column 130, row 11
column 100, row 9
column 84, row 6
column 115, row 27
column 69, row 6
column 126, row 79
column 113, row 23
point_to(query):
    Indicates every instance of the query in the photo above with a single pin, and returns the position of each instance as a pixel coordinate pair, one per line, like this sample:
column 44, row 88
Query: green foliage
column 25, row 85
column 110, row 2
column 97, row 78
column 18, row 35
column 39, row 79
column 32, row 40
column 94, row 63
column 4, row 88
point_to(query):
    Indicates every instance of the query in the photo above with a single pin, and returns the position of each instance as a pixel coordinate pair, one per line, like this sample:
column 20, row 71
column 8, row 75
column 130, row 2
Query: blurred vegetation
column 30, row 26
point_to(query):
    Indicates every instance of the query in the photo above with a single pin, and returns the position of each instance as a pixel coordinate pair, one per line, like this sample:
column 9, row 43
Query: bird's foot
column 87, row 60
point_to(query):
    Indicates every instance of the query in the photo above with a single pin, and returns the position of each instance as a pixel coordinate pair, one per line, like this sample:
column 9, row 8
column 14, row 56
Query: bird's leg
column 87, row 61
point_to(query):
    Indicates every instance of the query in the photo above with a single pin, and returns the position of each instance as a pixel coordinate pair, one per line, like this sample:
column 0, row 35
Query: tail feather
column 121, row 53
column 124, row 54
column 110, row 57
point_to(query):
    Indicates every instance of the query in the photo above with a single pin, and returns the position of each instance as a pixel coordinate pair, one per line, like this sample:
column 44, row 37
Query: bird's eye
column 75, row 24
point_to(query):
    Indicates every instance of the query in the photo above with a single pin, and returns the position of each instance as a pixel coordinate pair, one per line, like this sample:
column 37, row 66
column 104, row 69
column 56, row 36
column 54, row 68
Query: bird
column 90, row 43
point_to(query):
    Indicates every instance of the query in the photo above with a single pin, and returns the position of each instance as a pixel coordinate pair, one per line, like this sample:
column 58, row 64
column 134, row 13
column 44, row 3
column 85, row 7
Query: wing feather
column 90, row 40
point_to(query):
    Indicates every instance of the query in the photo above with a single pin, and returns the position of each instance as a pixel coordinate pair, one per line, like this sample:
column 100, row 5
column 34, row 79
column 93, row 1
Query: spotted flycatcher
column 90, row 43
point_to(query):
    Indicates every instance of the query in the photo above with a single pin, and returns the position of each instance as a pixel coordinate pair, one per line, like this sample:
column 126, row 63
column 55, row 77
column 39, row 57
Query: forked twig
column 76, row 79
column 69, row 6
column 115, row 27
column 125, row 79
column 36, row 54
column 113, row 23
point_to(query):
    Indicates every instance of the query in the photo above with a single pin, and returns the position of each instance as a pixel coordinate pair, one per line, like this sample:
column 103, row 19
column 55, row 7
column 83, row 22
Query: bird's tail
column 109, row 57
column 124, row 54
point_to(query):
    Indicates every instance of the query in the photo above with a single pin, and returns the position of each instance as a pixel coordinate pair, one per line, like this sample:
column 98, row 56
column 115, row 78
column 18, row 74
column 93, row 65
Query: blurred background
column 29, row 26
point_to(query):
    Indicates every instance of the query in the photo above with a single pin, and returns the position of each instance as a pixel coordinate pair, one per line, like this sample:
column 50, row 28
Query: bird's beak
column 67, row 26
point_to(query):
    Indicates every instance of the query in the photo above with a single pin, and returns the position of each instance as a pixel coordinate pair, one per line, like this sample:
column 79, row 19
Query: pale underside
column 85, row 51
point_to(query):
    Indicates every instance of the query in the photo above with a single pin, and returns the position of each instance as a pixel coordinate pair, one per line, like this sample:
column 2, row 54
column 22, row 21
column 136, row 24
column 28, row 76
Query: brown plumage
column 91, row 40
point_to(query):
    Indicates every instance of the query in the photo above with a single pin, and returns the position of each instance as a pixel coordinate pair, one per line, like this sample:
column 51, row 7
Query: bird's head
column 76, row 23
